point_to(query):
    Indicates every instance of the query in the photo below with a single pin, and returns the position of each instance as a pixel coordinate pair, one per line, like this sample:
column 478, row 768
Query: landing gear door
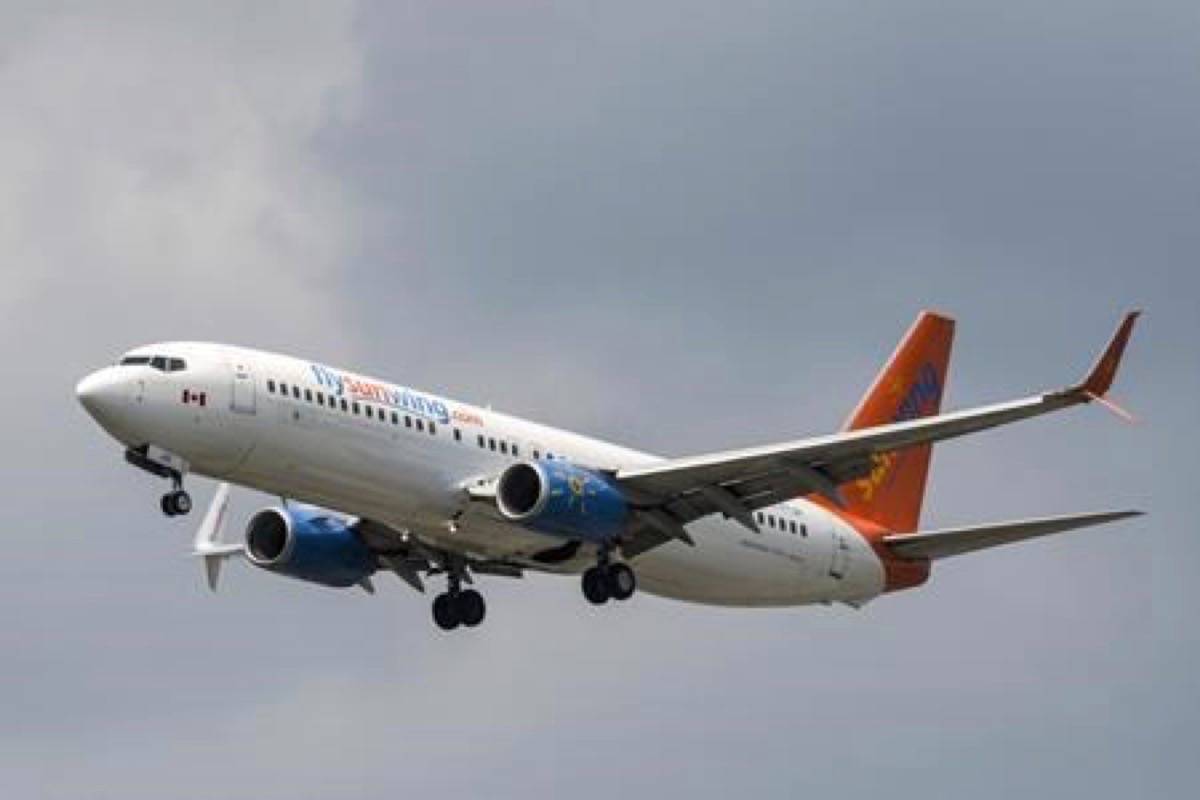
column 242, row 399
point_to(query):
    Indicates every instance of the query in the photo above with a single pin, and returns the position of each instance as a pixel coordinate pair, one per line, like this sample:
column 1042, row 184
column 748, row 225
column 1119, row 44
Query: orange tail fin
column 910, row 385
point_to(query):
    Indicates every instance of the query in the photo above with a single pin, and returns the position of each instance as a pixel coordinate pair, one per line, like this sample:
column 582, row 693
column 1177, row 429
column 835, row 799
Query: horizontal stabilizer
column 956, row 541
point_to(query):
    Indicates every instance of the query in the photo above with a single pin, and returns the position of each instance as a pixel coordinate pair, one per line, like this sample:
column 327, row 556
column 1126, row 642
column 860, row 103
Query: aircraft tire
column 621, row 580
column 445, row 612
column 182, row 502
column 470, row 607
column 595, row 586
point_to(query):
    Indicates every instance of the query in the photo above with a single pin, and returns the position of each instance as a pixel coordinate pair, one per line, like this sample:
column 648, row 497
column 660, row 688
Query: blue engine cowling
column 560, row 498
column 309, row 545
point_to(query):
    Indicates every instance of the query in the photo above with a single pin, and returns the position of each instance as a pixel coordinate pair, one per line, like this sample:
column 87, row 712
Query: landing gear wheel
column 445, row 612
column 176, row 503
column 622, row 583
column 183, row 502
column 471, row 608
column 595, row 586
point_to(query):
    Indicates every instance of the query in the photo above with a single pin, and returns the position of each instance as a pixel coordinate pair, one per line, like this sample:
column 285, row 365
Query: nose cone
column 103, row 394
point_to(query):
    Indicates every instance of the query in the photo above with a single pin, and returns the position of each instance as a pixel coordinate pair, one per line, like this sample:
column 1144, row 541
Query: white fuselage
column 277, row 424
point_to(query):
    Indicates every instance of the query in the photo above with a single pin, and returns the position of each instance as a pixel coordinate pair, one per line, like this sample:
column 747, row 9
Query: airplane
column 375, row 476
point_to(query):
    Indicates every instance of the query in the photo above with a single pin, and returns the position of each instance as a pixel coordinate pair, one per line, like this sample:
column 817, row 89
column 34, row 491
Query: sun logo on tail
column 922, row 399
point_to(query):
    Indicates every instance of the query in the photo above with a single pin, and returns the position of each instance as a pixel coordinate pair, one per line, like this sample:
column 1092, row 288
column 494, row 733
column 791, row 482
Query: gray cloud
column 674, row 225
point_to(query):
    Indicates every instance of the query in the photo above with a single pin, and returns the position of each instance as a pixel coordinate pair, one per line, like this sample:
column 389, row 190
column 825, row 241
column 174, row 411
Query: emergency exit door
column 242, row 400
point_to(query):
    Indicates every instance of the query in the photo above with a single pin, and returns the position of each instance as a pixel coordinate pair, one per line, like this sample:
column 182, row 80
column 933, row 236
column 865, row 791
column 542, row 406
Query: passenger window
column 761, row 518
column 792, row 526
column 515, row 453
column 536, row 455
column 395, row 418
column 549, row 455
column 320, row 398
column 283, row 389
column 369, row 411
column 491, row 444
column 803, row 529
column 771, row 521
column 407, row 421
column 308, row 395
column 345, row 407
column 356, row 408
column 482, row 441
column 271, row 387
column 432, row 429
column 504, row 447
column 177, row 365
column 420, row 425
column 296, row 392
column 457, row 435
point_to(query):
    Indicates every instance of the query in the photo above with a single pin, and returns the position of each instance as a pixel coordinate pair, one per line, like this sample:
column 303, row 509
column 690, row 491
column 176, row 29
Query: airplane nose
column 101, row 393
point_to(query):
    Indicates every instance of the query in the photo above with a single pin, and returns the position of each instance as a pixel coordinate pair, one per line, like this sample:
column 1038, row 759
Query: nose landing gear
column 176, row 503
column 157, row 461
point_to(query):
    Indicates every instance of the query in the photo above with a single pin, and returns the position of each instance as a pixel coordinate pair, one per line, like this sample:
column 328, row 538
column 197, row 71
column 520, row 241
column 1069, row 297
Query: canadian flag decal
column 195, row 398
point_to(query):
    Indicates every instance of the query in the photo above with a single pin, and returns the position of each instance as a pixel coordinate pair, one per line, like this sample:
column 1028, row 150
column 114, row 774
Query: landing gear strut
column 605, row 581
column 457, row 606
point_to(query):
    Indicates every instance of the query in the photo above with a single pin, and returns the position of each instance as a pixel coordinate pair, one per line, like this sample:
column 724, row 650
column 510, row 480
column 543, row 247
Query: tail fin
column 909, row 386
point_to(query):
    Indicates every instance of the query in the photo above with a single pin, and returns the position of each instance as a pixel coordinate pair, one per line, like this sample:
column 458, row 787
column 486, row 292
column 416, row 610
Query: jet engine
column 308, row 544
column 562, row 499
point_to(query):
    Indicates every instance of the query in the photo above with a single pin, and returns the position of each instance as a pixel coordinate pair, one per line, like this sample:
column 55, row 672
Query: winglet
column 1100, row 379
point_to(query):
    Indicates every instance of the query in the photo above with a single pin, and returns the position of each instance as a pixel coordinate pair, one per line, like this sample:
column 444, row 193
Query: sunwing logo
column 396, row 397
column 920, row 400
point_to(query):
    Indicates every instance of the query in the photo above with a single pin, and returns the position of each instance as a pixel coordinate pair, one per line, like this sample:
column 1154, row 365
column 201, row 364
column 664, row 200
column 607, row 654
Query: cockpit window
column 160, row 363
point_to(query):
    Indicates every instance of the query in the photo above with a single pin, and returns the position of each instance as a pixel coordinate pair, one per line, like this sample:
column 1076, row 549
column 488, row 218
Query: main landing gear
column 457, row 606
column 606, row 581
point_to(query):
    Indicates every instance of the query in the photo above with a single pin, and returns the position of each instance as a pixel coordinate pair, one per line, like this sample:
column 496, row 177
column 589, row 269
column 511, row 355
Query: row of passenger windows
column 506, row 448
column 160, row 363
column 354, row 407
column 384, row 415
column 781, row 524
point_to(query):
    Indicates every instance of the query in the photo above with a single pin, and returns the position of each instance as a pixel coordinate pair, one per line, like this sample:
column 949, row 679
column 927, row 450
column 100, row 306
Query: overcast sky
column 677, row 225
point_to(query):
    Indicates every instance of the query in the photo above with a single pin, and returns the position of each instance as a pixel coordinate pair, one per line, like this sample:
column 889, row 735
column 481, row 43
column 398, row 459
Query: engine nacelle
column 308, row 545
column 562, row 499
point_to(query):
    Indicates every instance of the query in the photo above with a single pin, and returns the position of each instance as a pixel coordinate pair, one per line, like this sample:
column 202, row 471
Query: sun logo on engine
column 577, row 485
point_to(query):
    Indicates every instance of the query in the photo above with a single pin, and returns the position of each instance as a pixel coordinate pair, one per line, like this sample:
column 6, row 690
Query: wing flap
column 957, row 541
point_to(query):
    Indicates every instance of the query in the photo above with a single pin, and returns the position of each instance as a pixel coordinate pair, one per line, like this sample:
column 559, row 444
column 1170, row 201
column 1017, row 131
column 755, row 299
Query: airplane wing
column 956, row 541
column 671, row 493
